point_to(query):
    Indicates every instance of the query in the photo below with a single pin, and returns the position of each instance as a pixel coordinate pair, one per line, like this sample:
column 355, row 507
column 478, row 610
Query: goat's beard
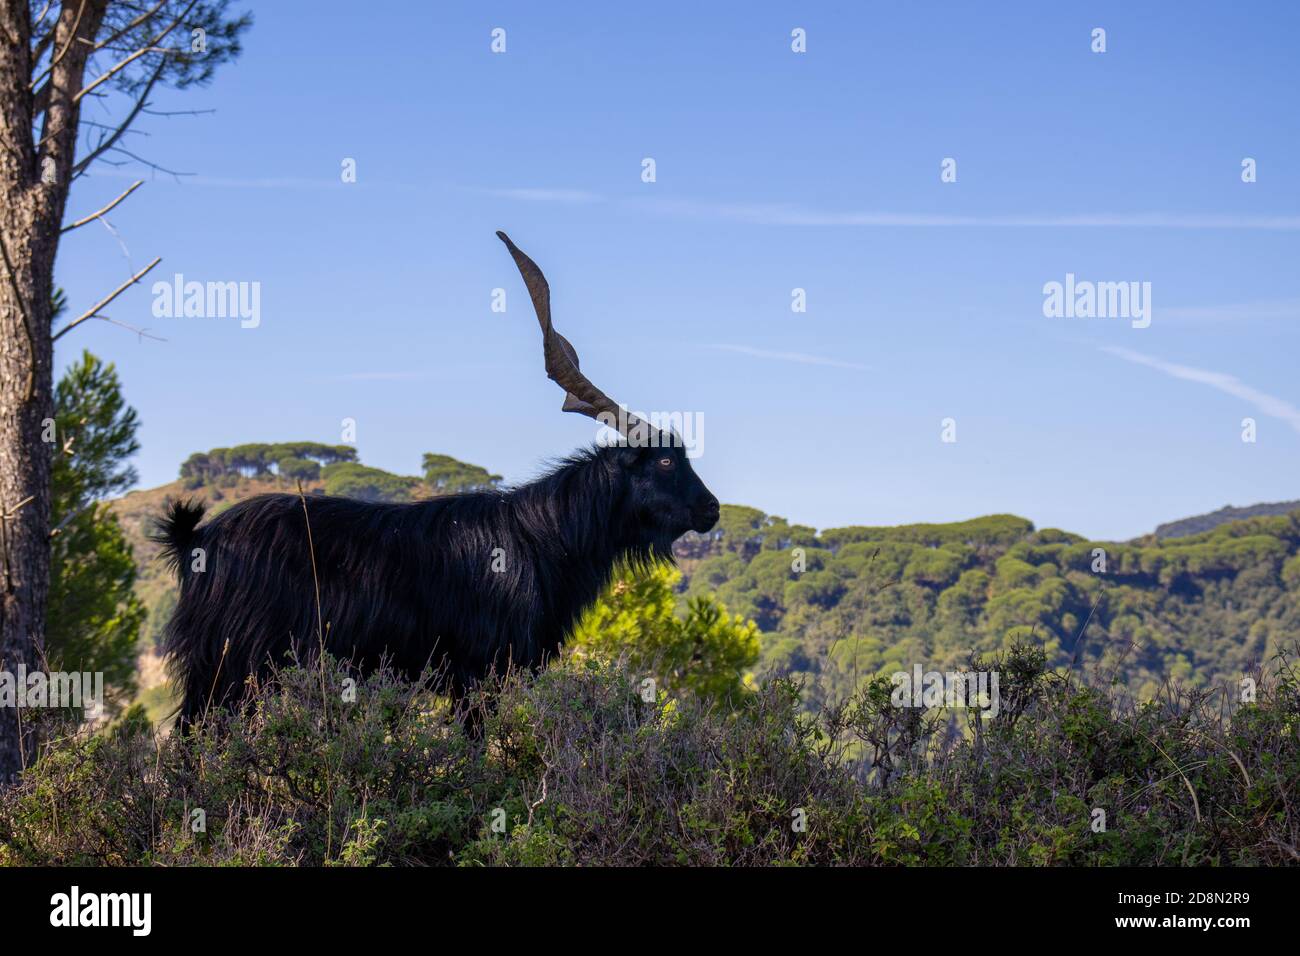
column 658, row 532
column 660, row 545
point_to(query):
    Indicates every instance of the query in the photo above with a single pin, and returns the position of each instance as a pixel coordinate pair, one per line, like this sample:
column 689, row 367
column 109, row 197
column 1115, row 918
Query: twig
column 18, row 507
column 95, row 124
column 96, row 215
column 1196, row 804
column 538, row 802
column 92, row 312
column 320, row 665
column 107, row 144
column 66, row 47
column 70, row 517
column 5, row 515
column 157, row 167
column 45, row 10
column 109, row 40
column 170, row 113
column 121, row 243
column 1078, row 639
column 1228, row 750
column 116, row 67
column 225, row 649
column 320, row 627
column 142, row 333
column 149, row 47
column 311, row 547
column 45, row 39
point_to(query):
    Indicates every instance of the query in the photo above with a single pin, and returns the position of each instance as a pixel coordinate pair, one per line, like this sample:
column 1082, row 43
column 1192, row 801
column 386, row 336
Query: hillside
column 1197, row 609
column 843, row 604
column 1208, row 522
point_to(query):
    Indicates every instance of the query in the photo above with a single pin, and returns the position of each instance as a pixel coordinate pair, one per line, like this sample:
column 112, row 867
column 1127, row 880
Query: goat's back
column 448, row 583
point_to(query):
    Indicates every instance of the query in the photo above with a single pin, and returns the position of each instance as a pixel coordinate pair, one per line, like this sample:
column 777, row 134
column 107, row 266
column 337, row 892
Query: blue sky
column 774, row 170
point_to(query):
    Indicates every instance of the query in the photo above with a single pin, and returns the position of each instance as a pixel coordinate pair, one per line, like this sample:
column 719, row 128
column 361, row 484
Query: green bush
column 705, row 651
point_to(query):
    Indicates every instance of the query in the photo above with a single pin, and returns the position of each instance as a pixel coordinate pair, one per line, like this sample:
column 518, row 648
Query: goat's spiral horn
column 562, row 361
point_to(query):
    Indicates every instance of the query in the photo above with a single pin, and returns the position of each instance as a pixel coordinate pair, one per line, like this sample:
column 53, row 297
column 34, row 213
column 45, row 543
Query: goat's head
column 668, row 498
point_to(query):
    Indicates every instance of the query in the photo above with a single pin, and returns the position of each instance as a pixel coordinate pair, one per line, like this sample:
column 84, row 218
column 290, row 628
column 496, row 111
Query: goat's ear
column 628, row 456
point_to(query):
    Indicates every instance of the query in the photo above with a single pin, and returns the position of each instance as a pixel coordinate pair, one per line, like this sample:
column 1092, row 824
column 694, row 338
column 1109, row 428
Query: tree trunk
column 25, row 403
column 33, row 192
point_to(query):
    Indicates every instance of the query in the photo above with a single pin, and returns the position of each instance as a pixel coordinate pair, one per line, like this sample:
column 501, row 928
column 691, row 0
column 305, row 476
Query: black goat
column 462, row 584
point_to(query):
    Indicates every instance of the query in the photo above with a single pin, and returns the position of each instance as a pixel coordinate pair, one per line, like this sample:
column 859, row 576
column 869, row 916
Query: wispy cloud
column 268, row 182
column 795, row 214
column 1231, row 385
column 377, row 377
column 231, row 182
column 547, row 195
column 799, row 357
column 788, row 214
column 1241, row 312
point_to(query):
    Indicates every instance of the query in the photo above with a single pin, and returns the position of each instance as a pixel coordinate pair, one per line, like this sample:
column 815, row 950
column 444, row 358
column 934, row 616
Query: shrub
column 705, row 652
column 575, row 767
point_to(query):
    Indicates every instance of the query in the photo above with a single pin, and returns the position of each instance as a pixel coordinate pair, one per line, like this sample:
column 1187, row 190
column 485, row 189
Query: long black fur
column 414, row 584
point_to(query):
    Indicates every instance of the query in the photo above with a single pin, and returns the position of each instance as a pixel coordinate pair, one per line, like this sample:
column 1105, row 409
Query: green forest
column 850, row 603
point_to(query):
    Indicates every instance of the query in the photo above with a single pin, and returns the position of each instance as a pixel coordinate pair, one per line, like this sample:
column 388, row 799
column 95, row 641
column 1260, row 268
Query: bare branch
column 142, row 333
column 71, row 517
column 95, row 124
column 150, row 47
column 126, row 253
column 59, row 126
column 63, row 52
column 17, row 508
column 150, row 163
column 148, row 14
column 47, row 37
column 116, row 68
column 41, row 99
column 178, row 112
column 93, row 311
column 95, row 215
column 45, row 10
column 80, row 167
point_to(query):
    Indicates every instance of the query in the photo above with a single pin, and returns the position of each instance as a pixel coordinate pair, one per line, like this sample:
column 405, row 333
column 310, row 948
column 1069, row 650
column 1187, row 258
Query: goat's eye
column 666, row 464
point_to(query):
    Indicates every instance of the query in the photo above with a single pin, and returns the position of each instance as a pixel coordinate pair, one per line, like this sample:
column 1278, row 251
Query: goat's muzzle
column 705, row 515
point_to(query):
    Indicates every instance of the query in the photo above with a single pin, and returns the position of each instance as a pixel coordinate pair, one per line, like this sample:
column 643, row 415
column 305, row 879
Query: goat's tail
column 175, row 531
